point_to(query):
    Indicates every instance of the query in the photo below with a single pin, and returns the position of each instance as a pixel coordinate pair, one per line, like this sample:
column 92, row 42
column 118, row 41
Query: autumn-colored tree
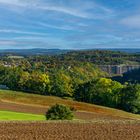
column 38, row 83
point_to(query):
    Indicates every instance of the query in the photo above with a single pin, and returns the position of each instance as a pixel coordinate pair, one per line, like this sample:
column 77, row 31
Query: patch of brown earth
column 68, row 131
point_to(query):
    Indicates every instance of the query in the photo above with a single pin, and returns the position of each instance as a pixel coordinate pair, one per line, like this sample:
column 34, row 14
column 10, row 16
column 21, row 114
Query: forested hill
column 101, row 57
column 98, row 57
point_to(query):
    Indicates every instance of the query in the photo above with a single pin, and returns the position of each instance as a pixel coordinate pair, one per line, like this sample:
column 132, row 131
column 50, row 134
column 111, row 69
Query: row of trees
column 58, row 81
column 17, row 79
column 110, row 93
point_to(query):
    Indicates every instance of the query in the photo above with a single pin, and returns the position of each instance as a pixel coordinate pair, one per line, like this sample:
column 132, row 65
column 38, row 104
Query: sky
column 69, row 24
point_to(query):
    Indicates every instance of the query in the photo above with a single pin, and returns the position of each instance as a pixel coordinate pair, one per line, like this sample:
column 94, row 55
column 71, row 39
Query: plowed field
column 68, row 131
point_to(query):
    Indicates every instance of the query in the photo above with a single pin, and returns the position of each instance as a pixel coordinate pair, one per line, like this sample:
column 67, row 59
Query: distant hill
column 132, row 50
column 126, row 50
column 40, row 51
column 102, row 57
column 29, row 52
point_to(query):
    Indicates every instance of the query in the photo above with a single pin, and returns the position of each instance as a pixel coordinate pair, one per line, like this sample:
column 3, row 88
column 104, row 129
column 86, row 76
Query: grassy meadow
column 8, row 115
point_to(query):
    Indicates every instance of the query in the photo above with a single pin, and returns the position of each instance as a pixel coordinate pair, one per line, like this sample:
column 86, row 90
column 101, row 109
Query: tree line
column 110, row 93
column 57, row 81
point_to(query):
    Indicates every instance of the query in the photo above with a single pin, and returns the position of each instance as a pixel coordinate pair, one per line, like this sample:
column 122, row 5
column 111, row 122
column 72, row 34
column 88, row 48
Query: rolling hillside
column 37, row 104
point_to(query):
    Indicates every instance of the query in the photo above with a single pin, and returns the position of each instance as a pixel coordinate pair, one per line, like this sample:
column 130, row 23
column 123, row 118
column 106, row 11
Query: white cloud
column 20, row 32
column 56, row 27
column 13, row 2
column 131, row 21
column 7, row 42
column 63, row 27
column 66, row 10
column 77, row 8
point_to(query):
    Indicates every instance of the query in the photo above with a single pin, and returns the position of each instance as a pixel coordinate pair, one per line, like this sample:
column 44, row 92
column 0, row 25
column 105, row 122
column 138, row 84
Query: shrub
column 59, row 112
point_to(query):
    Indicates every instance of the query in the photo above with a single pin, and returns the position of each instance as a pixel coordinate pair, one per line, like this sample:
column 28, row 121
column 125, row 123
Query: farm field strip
column 81, row 115
column 68, row 131
column 11, row 106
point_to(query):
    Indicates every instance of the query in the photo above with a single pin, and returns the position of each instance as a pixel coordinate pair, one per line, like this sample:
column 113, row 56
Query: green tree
column 101, row 91
column 11, row 77
column 38, row 83
column 130, row 98
column 24, row 77
column 61, row 84
column 59, row 112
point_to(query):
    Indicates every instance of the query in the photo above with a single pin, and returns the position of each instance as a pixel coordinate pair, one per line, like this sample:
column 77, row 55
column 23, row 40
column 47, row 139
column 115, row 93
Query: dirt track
column 68, row 131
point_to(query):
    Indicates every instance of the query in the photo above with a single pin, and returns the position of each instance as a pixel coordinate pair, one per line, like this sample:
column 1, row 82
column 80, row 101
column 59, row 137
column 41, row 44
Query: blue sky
column 69, row 24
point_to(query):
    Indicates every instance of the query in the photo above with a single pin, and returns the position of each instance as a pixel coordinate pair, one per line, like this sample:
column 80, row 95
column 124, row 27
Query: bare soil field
column 68, row 131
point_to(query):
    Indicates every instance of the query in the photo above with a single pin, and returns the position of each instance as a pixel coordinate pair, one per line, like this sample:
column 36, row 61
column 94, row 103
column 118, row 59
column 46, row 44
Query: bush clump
column 59, row 112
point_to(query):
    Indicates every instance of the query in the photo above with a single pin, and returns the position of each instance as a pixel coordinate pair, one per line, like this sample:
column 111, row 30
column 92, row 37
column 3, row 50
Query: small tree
column 59, row 112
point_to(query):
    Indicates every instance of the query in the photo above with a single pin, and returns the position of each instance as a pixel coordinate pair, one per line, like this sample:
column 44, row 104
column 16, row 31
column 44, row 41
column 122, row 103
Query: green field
column 7, row 115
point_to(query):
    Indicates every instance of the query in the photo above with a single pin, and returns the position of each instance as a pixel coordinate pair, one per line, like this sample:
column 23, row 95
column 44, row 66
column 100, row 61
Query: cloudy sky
column 69, row 24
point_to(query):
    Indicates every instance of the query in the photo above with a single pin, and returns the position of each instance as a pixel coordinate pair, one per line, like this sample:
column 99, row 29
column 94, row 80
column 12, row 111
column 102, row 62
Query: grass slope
column 38, row 100
column 7, row 115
